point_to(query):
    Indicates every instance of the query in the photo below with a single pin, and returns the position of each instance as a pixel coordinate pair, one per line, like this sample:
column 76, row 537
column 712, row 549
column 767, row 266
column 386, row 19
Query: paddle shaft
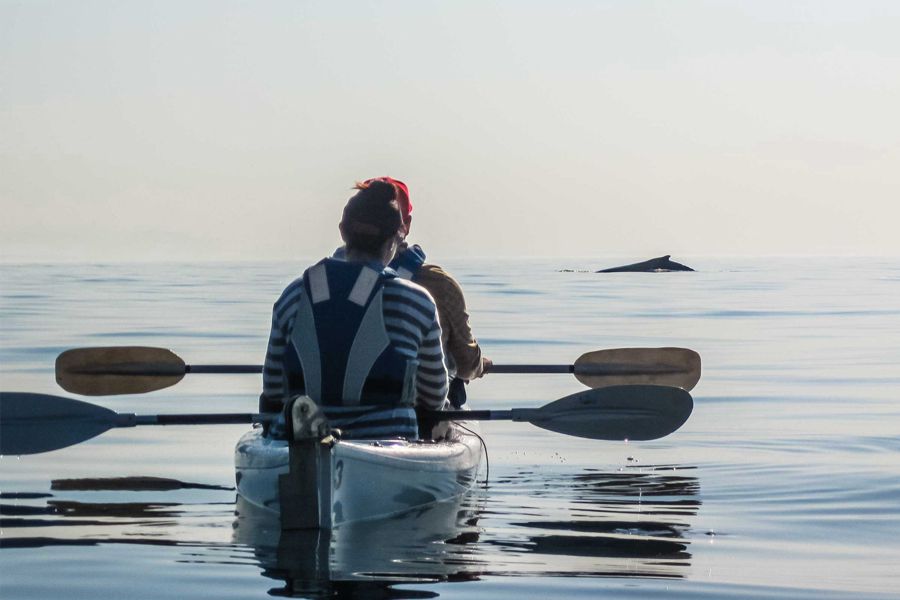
column 167, row 370
column 132, row 420
column 608, row 369
column 522, row 415
column 515, row 414
column 223, row 368
column 163, row 369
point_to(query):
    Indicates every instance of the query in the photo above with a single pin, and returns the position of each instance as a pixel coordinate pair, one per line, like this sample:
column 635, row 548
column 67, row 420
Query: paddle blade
column 677, row 367
column 118, row 370
column 625, row 412
column 33, row 423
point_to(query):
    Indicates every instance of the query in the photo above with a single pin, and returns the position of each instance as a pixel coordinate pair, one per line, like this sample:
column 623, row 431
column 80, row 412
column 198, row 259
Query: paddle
column 34, row 423
column 140, row 369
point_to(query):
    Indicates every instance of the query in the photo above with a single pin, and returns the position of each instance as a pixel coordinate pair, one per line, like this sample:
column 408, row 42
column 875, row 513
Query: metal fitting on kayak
column 305, row 420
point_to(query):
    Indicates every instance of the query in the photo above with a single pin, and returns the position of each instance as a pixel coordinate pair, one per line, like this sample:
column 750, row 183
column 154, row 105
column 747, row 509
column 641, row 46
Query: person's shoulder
column 289, row 294
column 406, row 286
column 436, row 271
column 411, row 290
column 439, row 280
column 291, row 290
column 293, row 285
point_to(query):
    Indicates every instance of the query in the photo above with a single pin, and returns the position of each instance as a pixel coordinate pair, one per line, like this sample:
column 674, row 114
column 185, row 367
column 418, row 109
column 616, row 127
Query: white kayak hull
column 360, row 480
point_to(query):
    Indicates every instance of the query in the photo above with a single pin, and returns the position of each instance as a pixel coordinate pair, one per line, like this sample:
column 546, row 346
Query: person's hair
column 371, row 217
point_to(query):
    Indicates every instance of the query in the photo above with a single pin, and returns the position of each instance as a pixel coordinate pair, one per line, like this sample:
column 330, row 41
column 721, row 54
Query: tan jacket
column 460, row 346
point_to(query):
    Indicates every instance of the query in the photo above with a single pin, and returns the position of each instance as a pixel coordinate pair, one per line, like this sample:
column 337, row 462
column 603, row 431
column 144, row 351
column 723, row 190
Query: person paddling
column 465, row 360
column 352, row 335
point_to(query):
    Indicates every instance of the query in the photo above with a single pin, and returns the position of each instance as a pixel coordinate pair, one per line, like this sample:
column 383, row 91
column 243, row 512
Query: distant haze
column 225, row 130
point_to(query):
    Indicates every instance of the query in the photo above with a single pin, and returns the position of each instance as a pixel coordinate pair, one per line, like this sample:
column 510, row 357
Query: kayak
column 334, row 482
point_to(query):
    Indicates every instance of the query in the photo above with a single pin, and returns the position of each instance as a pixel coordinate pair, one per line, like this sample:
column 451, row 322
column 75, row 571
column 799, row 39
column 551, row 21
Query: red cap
column 402, row 194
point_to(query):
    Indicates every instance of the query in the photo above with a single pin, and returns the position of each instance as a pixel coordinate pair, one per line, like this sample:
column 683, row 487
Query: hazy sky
column 220, row 130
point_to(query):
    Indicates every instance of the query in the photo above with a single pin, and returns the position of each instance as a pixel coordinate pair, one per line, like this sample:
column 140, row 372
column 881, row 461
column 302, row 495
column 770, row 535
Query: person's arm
column 410, row 317
column 275, row 386
column 461, row 344
column 420, row 314
column 431, row 378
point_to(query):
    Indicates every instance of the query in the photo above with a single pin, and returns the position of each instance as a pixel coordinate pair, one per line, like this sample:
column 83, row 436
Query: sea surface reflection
column 793, row 438
column 627, row 523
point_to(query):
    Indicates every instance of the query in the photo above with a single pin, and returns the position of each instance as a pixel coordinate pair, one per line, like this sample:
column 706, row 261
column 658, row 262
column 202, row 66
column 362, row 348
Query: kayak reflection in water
column 431, row 544
column 361, row 342
column 465, row 360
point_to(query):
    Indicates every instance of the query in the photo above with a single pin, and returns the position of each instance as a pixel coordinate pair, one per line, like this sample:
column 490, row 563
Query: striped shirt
column 411, row 323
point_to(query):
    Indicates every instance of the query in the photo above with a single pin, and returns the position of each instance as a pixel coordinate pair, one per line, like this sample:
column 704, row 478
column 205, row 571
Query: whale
column 662, row 264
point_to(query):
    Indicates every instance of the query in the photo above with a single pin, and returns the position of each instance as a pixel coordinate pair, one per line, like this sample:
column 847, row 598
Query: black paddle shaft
column 610, row 369
column 195, row 419
column 515, row 414
column 235, row 369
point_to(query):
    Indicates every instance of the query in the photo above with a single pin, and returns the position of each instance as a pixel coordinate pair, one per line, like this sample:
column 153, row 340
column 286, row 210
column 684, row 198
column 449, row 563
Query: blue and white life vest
column 340, row 355
column 408, row 262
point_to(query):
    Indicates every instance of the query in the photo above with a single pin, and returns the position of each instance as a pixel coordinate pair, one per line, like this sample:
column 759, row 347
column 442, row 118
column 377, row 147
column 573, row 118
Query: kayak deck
column 359, row 480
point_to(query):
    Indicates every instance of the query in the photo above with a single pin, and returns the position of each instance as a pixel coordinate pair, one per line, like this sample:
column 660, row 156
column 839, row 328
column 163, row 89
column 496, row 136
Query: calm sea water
column 784, row 483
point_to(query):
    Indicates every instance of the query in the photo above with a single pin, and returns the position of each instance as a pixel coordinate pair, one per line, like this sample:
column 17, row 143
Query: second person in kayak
column 360, row 341
column 465, row 360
